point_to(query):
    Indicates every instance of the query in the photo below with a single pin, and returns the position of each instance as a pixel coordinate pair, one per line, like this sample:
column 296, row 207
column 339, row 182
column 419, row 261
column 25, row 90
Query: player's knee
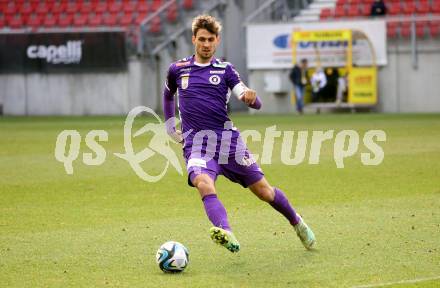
column 266, row 194
column 205, row 188
column 205, row 185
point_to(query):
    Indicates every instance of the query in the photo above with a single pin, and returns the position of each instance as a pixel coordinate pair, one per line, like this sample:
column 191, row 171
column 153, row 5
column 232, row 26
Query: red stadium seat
column 42, row 8
column 339, row 11
column 8, row 19
column 71, row 7
column 129, row 7
column 10, row 9
column 58, row 7
column 126, row 20
column 155, row 25
column 2, row 22
column 65, row 20
column 392, row 29
column 142, row 7
column 110, row 19
column 423, row 8
column 34, row 21
column 156, row 4
column 409, row 8
column 24, row 19
column 366, row 10
column 420, row 28
column 140, row 17
column 115, row 7
column 172, row 13
column 434, row 29
column 80, row 20
column 95, row 20
column 49, row 21
column 16, row 22
column 188, row 4
column 435, row 8
column 25, row 8
column 87, row 7
column 405, row 29
column 353, row 11
column 101, row 7
column 394, row 8
column 326, row 13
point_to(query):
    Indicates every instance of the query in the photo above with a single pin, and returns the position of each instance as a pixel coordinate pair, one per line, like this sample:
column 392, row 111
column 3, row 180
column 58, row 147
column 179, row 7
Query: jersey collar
column 193, row 62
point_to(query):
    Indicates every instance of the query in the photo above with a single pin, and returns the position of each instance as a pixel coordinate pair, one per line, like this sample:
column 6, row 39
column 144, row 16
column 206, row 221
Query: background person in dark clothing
column 329, row 93
column 298, row 76
column 378, row 8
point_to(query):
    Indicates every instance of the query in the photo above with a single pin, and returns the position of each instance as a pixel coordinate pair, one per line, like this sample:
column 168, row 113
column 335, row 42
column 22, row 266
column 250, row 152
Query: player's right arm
column 168, row 104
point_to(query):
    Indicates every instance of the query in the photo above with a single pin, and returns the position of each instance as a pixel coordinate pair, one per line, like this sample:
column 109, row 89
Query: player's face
column 205, row 44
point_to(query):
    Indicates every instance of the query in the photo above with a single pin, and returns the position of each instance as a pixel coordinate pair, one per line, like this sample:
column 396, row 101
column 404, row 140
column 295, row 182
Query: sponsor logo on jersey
column 215, row 79
column 185, row 81
column 220, row 64
column 185, row 69
column 179, row 64
column 217, row 72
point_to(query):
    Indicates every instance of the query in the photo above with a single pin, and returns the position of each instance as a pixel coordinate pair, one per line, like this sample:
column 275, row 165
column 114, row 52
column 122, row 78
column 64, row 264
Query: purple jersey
column 203, row 91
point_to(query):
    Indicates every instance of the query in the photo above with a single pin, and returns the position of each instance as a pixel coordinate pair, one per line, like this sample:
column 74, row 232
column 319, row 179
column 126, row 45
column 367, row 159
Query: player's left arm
column 241, row 91
column 247, row 95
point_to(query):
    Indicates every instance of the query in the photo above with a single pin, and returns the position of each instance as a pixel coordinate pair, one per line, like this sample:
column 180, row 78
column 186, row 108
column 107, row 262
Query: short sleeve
column 232, row 76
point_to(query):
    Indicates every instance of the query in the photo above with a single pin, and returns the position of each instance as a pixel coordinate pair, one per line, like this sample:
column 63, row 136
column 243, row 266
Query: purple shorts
column 246, row 173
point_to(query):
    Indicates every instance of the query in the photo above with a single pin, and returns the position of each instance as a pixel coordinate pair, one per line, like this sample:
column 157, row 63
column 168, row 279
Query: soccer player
column 203, row 84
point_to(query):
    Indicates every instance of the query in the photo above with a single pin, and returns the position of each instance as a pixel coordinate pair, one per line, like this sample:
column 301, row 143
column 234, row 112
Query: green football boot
column 305, row 234
column 225, row 238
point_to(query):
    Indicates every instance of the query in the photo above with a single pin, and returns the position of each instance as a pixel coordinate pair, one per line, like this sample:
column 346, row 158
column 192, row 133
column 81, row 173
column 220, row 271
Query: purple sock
column 216, row 211
column 282, row 205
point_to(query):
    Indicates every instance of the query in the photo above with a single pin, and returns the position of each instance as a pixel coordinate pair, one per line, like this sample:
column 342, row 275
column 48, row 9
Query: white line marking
column 398, row 282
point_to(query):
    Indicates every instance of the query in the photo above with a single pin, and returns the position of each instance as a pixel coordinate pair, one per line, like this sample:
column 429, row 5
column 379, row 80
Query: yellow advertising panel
column 362, row 85
column 322, row 35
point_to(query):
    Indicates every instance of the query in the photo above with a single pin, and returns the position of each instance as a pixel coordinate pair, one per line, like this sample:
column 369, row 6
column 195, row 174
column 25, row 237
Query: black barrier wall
column 62, row 52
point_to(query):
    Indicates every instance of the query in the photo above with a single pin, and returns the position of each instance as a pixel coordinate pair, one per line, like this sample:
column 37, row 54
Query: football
column 172, row 257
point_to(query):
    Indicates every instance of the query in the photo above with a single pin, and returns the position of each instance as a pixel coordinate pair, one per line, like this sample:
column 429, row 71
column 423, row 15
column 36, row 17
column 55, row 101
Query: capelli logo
column 69, row 53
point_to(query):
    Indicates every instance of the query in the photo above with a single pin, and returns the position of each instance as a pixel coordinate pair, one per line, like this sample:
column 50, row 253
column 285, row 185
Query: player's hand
column 177, row 136
column 249, row 96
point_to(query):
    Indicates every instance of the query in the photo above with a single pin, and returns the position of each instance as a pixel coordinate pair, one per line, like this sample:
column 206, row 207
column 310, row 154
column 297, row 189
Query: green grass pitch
column 101, row 226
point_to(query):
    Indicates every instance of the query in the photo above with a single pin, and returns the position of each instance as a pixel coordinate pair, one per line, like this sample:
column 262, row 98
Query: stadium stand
column 87, row 13
column 35, row 16
column 400, row 15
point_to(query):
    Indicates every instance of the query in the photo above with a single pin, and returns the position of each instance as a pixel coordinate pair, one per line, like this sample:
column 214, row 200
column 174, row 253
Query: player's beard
column 206, row 55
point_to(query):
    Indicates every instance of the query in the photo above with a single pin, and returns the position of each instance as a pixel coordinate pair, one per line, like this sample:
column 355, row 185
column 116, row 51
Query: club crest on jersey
column 185, row 81
column 215, row 79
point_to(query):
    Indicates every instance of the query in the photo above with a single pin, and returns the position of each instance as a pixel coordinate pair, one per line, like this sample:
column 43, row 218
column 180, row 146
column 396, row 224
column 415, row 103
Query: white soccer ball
column 172, row 257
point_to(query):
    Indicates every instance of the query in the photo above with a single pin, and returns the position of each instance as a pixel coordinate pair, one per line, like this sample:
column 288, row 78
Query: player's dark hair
column 207, row 22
